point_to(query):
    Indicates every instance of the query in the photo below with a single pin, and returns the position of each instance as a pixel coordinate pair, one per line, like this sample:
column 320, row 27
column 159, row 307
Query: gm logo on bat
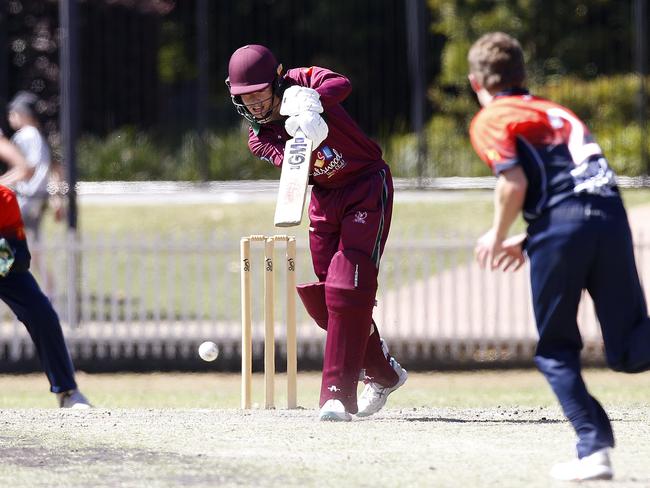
column 297, row 153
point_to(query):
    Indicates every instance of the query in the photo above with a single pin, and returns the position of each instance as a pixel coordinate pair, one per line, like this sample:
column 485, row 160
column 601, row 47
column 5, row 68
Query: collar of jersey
column 257, row 127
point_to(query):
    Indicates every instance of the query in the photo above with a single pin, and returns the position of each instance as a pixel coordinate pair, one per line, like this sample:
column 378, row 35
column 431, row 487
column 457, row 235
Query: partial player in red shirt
column 550, row 169
column 19, row 290
column 349, row 213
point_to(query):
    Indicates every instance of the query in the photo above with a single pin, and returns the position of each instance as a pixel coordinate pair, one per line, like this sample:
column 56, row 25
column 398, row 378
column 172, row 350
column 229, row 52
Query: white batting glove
column 297, row 99
column 311, row 124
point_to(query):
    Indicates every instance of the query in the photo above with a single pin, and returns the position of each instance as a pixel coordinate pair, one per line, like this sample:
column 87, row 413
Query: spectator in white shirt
column 29, row 176
column 30, row 184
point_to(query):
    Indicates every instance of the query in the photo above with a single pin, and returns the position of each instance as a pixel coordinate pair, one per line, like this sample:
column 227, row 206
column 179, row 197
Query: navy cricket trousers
column 22, row 294
column 585, row 243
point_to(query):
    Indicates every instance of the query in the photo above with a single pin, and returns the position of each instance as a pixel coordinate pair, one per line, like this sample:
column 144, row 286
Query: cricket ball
column 208, row 351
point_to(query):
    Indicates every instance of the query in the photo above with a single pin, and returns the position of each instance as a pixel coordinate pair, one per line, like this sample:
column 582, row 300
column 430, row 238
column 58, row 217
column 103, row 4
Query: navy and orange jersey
column 551, row 144
column 12, row 228
column 345, row 155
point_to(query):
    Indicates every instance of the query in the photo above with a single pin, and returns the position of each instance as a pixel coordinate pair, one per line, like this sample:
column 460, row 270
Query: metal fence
column 147, row 304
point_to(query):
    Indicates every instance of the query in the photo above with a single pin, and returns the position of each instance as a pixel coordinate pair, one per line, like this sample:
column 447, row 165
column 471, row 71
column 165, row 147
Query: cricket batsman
column 349, row 213
column 550, row 168
column 19, row 290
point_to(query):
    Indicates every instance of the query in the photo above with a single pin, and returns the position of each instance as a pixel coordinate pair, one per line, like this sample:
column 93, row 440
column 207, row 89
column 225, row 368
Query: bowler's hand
column 513, row 253
column 506, row 254
column 488, row 249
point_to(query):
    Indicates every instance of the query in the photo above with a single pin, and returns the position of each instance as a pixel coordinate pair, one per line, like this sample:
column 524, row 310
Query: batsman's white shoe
column 596, row 466
column 334, row 411
column 374, row 396
column 73, row 399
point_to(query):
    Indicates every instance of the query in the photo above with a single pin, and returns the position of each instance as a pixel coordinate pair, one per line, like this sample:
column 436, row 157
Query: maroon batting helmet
column 251, row 68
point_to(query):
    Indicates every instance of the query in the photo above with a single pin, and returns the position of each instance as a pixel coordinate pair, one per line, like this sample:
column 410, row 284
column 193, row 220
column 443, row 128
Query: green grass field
column 410, row 219
column 463, row 213
column 482, row 389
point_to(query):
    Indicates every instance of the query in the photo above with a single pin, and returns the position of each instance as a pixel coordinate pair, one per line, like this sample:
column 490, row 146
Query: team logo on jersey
column 333, row 388
column 322, row 156
column 335, row 162
column 327, row 152
column 360, row 217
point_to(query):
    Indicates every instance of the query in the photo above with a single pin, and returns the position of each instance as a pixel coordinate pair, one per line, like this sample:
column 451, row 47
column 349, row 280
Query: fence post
column 202, row 109
column 68, row 13
column 641, row 67
column 416, row 35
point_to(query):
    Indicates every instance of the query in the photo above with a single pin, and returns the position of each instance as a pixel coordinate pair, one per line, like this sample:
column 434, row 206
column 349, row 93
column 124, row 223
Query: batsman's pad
column 352, row 270
column 350, row 290
column 351, row 281
column 313, row 298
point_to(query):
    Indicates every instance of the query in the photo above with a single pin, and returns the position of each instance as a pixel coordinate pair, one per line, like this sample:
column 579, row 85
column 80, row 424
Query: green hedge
column 133, row 155
column 606, row 104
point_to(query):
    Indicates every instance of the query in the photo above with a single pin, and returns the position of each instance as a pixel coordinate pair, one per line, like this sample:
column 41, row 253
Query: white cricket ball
column 208, row 351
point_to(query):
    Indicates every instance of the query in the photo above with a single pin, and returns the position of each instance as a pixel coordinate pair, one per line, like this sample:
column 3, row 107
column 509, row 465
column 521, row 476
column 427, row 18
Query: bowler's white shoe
column 73, row 399
column 374, row 396
column 334, row 411
column 596, row 466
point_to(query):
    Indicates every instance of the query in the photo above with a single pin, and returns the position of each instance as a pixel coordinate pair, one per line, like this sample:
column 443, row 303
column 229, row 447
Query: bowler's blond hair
column 497, row 62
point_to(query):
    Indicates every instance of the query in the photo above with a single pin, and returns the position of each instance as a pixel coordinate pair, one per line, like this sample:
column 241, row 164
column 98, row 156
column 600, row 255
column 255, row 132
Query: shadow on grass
column 483, row 421
column 107, row 465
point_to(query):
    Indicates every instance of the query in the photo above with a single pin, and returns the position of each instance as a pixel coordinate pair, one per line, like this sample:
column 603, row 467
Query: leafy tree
column 578, row 52
column 577, row 37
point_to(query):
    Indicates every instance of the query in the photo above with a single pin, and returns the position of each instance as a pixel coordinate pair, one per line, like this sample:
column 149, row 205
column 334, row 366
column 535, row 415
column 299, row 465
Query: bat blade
column 293, row 181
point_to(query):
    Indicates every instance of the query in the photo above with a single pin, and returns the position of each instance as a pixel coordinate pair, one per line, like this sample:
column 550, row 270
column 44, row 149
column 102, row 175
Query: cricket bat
column 293, row 181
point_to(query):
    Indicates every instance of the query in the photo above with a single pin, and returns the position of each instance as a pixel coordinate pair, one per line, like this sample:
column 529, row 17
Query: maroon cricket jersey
column 345, row 155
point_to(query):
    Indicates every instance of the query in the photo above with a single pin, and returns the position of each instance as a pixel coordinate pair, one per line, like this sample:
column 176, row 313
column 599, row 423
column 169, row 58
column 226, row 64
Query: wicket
column 269, row 318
